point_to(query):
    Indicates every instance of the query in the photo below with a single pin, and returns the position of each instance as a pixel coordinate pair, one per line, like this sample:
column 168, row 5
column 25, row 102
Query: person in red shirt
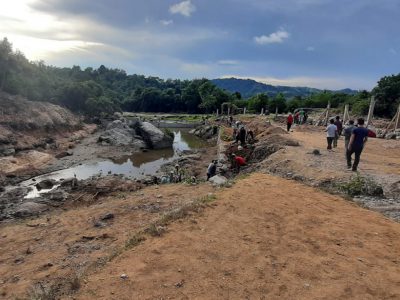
column 238, row 161
column 289, row 121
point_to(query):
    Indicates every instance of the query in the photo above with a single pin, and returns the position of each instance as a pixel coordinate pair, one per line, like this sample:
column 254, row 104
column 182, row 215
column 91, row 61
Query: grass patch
column 360, row 185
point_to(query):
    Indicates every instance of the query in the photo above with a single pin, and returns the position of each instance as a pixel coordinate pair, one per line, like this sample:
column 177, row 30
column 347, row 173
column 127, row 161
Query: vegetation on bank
column 104, row 91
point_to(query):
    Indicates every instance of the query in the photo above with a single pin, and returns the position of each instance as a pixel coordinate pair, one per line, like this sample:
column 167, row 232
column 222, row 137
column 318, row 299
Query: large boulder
column 45, row 184
column 27, row 209
column 118, row 133
column 218, row 180
column 154, row 137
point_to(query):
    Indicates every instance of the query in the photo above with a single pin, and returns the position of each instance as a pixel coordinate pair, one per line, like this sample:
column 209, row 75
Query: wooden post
column 262, row 111
column 346, row 115
column 371, row 111
column 244, row 110
column 397, row 122
column 276, row 112
column 328, row 108
column 217, row 112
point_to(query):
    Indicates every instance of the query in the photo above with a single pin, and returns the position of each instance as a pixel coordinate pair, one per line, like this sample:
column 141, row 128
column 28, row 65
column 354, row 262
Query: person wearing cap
column 212, row 169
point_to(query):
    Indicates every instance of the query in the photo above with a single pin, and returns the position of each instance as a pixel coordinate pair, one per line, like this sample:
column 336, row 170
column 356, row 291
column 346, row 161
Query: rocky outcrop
column 205, row 132
column 137, row 134
column 23, row 121
column 118, row 133
column 154, row 137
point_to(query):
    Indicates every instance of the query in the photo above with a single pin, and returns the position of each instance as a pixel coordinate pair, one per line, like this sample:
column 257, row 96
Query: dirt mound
column 20, row 114
column 272, row 130
column 26, row 125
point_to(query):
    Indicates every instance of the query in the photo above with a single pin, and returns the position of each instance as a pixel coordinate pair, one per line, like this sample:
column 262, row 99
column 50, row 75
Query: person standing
column 348, row 130
column 357, row 142
column 242, row 135
column 301, row 120
column 331, row 131
column 212, row 169
column 289, row 122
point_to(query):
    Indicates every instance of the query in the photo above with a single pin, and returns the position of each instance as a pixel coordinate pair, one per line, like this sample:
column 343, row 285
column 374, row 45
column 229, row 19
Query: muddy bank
column 90, row 162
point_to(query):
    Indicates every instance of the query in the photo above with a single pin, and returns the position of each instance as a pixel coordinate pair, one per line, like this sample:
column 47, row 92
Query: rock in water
column 45, row 184
column 154, row 137
column 118, row 133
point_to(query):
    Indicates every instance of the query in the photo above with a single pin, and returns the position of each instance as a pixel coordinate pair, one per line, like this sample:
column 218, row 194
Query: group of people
column 355, row 138
column 241, row 134
column 174, row 176
column 300, row 117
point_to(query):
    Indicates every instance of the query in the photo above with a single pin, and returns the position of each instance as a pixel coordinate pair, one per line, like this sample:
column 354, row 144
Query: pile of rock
column 205, row 132
column 137, row 134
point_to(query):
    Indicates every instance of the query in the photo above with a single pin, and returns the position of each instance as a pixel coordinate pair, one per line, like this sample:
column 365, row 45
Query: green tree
column 278, row 102
column 387, row 94
column 256, row 103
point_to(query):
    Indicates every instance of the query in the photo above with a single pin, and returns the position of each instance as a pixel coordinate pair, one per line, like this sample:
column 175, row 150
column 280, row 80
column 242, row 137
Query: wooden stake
column 371, row 111
column 346, row 115
column 328, row 108
column 397, row 122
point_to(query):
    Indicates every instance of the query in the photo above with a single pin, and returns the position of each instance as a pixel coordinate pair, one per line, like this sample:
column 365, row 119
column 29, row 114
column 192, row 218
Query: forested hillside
column 249, row 88
column 103, row 90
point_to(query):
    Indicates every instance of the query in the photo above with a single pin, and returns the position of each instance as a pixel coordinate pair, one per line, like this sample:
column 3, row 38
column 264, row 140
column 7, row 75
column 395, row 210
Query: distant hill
column 249, row 87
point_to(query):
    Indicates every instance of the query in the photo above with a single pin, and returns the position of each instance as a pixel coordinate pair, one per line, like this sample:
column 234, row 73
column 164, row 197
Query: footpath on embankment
column 263, row 238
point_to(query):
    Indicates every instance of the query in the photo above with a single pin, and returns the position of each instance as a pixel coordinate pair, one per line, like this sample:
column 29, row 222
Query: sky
column 328, row 44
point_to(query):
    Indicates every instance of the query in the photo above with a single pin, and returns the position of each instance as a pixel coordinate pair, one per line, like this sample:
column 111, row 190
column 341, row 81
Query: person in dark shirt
column 339, row 126
column 348, row 130
column 357, row 142
column 212, row 169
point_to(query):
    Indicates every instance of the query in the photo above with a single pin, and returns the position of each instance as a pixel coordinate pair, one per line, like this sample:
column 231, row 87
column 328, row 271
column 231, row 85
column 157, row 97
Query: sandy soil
column 267, row 238
column 62, row 245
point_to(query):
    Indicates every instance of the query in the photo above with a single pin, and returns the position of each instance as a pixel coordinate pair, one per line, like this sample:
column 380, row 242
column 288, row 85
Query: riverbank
column 257, row 235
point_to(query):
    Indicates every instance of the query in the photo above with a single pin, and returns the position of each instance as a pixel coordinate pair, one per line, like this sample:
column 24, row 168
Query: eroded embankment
column 301, row 156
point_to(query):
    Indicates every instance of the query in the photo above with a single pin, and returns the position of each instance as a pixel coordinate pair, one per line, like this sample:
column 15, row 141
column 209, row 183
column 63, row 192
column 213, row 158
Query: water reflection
column 136, row 165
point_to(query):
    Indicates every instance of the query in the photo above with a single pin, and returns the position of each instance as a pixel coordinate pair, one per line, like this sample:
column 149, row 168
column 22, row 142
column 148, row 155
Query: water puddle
column 137, row 165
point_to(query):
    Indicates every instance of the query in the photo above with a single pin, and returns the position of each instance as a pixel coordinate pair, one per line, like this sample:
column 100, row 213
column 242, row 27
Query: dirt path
column 266, row 238
column 379, row 156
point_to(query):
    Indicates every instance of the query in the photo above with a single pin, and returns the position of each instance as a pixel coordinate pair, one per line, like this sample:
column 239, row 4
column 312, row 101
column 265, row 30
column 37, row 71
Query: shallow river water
column 137, row 165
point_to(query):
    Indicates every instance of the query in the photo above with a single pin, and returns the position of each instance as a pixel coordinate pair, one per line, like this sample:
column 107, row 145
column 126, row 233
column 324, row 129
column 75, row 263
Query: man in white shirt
column 331, row 132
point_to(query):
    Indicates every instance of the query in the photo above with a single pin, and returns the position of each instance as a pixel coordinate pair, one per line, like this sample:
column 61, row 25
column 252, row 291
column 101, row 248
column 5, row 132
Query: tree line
column 105, row 90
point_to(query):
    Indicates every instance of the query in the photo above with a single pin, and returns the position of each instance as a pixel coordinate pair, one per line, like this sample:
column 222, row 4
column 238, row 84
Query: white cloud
column 195, row 69
column 310, row 48
column 331, row 83
column 185, row 8
column 275, row 37
column 167, row 22
column 393, row 51
column 228, row 62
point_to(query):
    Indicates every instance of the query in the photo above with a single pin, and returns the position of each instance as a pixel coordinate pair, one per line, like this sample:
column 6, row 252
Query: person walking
column 289, row 122
column 339, row 126
column 331, row 131
column 357, row 142
column 348, row 130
